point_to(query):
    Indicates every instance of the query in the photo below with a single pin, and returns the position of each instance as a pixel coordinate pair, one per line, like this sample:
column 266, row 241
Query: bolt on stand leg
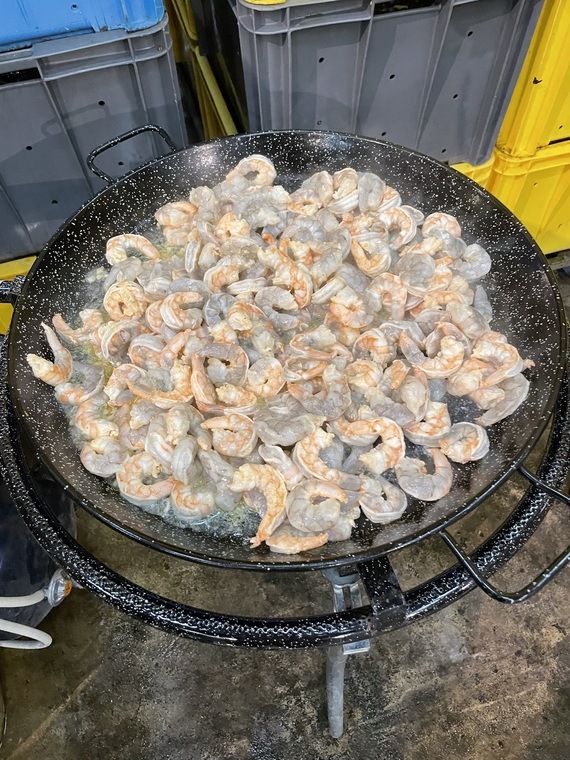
column 346, row 594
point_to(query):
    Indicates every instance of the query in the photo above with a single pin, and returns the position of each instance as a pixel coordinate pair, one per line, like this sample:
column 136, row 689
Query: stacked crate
column 72, row 76
column 530, row 167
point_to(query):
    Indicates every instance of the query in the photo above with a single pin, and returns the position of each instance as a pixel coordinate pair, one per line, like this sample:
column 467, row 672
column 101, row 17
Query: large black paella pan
column 526, row 304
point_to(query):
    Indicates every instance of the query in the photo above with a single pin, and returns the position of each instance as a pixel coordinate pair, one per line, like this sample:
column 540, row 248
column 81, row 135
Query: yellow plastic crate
column 537, row 191
column 479, row 173
column 8, row 271
column 539, row 111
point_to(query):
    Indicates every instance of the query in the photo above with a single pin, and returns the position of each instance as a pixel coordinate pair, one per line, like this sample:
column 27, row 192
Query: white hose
column 35, row 639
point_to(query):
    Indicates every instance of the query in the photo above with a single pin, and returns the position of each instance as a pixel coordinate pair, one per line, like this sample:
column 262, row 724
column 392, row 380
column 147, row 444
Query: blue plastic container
column 26, row 21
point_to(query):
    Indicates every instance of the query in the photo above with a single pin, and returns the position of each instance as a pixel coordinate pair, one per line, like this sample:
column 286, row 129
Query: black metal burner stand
column 351, row 626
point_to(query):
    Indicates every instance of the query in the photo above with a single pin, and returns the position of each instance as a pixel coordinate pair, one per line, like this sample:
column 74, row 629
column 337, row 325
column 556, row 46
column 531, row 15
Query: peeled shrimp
column 257, row 170
column 103, row 456
column 88, row 382
column 125, row 300
column 381, row 501
column 447, row 361
column 118, row 248
column 288, row 540
column 233, row 435
column 306, row 455
column 465, row 442
column 336, row 400
column 52, row 373
column 349, row 308
column 400, row 220
column 314, row 505
column 191, row 502
column 516, row 390
column 390, row 451
column 373, row 256
column 435, row 424
column 375, row 345
column 391, row 292
column 133, row 478
column 265, row 377
column 176, row 311
column 277, row 458
column 414, row 479
column 363, row 375
column 270, row 483
column 441, row 221
column 474, row 263
column 493, row 348
column 90, row 321
column 93, row 419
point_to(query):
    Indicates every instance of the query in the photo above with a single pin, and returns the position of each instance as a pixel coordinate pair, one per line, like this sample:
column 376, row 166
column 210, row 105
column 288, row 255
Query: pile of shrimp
column 283, row 349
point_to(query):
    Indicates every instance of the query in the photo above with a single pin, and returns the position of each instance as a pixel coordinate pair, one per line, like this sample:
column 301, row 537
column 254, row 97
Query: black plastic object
column 390, row 607
column 521, row 286
column 24, row 566
column 123, row 138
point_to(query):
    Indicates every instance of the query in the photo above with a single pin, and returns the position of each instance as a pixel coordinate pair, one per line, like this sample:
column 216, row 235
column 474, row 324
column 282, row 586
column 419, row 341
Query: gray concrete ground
column 477, row 680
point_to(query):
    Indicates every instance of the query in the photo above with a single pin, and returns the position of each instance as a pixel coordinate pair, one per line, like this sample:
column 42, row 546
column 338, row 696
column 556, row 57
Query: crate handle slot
column 122, row 138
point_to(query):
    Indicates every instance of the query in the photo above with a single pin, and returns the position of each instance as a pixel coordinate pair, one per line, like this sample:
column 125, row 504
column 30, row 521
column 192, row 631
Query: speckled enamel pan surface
column 523, row 293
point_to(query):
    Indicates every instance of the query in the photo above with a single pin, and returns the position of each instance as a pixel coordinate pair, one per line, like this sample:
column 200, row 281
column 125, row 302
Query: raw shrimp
column 191, row 503
column 370, row 191
column 90, row 321
column 468, row 319
column 516, row 390
column 257, row 170
column 336, row 400
column 220, row 474
column 133, row 478
column 390, row 451
column 373, row 256
column 94, row 419
column 465, row 442
column 116, row 388
column 493, row 348
column 314, row 505
column 176, row 214
column 447, row 361
column 177, row 312
column 350, row 309
column 89, row 381
column 270, row 483
column 268, row 299
column 364, row 432
column 400, row 220
column 184, row 463
column 345, row 195
column 156, row 444
column 363, row 375
column 391, row 294
column 232, row 361
column 277, row 458
column 474, row 263
column 265, row 377
column 414, row 479
column 146, row 351
column 297, row 278
column 414, row 392
column 115, row 338
column 441, row 221
column 435, row 424
column 381, row 501
column 287, row 540
column 180, row 391
column 103, row 456
column 125, row 300
column 286, row 431
column 374, row 344
column 306, row 456
column 52, row 373
column 233, row 435
column 236, row 399
column 118, row 248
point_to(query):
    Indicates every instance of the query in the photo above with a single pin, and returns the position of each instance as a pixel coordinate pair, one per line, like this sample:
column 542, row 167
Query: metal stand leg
column 346, row 593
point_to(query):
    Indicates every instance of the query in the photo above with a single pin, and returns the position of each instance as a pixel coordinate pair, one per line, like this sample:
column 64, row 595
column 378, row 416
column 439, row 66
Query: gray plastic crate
column 436, row 76
column 58, row 101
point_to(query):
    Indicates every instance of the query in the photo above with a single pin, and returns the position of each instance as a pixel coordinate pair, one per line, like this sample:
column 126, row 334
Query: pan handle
column 537, row 583
column 122, row 138
column 10, row 289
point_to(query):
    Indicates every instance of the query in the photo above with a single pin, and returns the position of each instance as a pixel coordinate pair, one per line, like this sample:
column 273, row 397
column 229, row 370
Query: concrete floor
column 477, row 680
